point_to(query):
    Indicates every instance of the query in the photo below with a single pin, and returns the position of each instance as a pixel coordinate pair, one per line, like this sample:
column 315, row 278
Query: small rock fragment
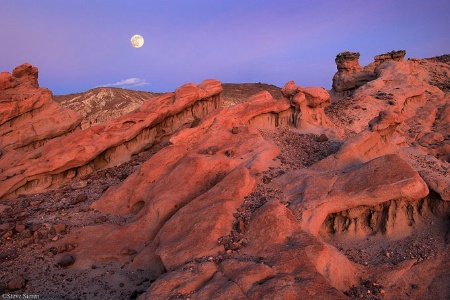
column 16, row 283
column 5, row 226
column 69, row 247
column 62, row 248
column 235, row 130
column 26, row 234
column 8, row 255
column 101, row 219
column 66, row 261
column 59, row 227
column 71, row 174
column 80, row 198
column 128, row 251
column 19, row 228
column 229, row 153
column 322, row 138
column 212, row 150
column 79, row 185
column 8, row 234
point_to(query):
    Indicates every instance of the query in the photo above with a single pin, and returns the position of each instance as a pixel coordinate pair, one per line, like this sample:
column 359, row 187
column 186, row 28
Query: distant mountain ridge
column 104, row 103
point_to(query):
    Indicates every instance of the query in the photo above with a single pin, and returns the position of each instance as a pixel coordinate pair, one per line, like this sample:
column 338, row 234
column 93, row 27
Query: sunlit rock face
column 291, row 196
column 351, row 75
column 393, row 55
column 68, row 157
column 29, row 116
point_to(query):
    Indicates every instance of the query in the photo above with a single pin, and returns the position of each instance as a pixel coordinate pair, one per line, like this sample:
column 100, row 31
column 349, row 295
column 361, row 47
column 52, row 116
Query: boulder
column 316, row 96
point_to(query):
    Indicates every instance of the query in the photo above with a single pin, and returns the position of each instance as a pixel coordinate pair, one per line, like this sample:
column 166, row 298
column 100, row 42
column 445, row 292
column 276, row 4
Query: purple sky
column 78, row 45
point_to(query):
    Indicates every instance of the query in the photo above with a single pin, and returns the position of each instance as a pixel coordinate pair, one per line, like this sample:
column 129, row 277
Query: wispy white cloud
column 127, row 83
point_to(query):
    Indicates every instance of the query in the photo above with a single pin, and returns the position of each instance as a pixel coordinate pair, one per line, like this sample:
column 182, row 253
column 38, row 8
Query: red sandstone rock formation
column 309, row 104
column 351, row 75
column 393, row 55
column 28, row 115
column 221, row 213
column 111, row 143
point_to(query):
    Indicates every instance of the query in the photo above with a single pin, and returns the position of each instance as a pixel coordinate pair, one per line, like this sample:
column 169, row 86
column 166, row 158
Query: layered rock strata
column 309, row 105
column 216, row 215
column 28, row 115
column 351, row 75
column 107, row 144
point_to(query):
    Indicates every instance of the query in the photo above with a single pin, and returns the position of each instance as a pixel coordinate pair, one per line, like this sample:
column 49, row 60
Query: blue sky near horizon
column 79, row 45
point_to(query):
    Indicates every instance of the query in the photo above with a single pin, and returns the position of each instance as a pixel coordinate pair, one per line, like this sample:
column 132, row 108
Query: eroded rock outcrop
column 393, row 55
column 222, row 151
column 107, row 144
column 309, row 104
column 222, row 157
column 402, row 89
column 225, row 212
column 379, row 180
column 28, row 115
column 350, row 75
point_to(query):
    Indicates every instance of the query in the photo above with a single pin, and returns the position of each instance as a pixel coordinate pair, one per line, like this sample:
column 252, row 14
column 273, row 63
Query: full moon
column 137, row 41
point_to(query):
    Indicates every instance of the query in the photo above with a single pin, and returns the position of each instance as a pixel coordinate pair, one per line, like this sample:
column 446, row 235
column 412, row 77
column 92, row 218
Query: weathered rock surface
column 16, row 284
column 408, row 95
column 226, row 210
column 309, row 104
column 350, row 75
column 393, row 55
column 380, row 180
column 28, row 115
column 207, row 193
column 107, row 144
